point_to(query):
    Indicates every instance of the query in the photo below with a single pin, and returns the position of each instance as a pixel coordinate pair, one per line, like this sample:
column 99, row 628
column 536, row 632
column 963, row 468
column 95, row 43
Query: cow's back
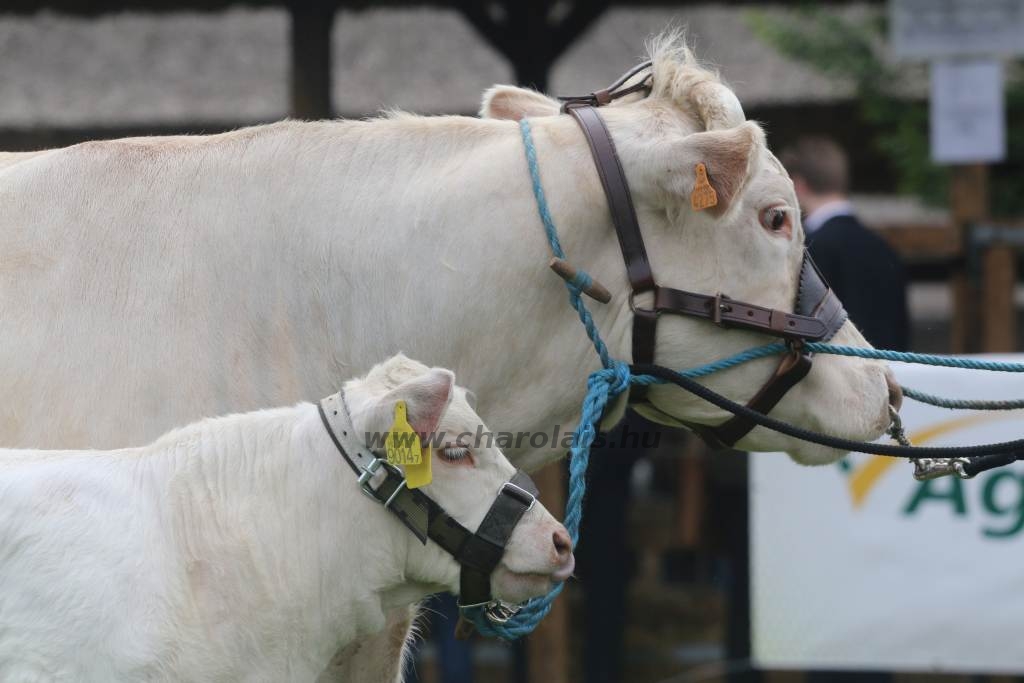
column 127, row 295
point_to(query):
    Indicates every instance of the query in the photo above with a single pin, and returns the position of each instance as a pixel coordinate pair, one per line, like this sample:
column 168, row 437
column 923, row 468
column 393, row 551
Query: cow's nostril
column 563, row 544
column 895, row 391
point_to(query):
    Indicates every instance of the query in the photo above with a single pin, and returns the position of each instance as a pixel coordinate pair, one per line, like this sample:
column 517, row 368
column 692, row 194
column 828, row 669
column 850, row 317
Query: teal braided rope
column 960, row 403
column 538, row 189
column 582, row 280
column 601, row 387
column 919, row 358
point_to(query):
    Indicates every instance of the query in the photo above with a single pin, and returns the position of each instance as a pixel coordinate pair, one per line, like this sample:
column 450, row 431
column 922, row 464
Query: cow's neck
column 452, row 267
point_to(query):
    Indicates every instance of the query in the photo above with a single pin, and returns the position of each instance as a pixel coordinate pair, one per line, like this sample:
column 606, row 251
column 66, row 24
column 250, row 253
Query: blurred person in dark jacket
column 860, row 266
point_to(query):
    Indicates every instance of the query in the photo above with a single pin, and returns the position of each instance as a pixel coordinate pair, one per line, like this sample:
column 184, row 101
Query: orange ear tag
column 404, row 450
column 704, row 196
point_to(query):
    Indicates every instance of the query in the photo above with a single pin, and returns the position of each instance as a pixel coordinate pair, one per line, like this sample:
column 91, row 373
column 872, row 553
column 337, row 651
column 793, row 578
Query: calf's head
column 468, row 473
column 748, row 245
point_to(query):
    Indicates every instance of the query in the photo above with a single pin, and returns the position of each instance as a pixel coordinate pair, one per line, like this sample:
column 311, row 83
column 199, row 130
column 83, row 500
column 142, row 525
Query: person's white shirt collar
column 825, row 212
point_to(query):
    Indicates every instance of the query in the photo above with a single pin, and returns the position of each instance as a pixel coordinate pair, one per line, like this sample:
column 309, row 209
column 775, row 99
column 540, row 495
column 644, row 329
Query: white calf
column 240, row 548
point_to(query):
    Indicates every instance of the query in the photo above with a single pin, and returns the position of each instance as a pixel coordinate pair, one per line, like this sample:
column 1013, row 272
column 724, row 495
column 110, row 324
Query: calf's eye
column 454, row 453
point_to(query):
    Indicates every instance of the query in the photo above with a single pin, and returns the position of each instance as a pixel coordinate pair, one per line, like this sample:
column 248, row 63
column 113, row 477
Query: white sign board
column 967, row 115
column 927, row 29
column 859, row 566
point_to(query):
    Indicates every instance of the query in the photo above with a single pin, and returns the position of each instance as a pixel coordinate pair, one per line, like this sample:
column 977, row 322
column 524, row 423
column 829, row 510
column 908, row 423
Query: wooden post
column 996, row 315
column 999, row 276
column 525, row 33
column 311, row 22
column 968, row 204
column 783, row 676
column 690, row 488
column 528, row 35
column 548, row 645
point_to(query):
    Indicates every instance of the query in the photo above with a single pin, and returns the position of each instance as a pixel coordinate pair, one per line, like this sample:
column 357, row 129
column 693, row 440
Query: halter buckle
column 718, row 307
column 370, row 471
column 367, row 474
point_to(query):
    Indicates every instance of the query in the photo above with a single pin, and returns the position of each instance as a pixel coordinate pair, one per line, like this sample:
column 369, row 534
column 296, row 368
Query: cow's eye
column 459, row 454
column 776, row 219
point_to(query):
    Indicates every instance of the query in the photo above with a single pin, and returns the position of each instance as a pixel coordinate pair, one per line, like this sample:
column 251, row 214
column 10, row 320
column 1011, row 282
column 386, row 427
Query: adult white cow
column 145, row 282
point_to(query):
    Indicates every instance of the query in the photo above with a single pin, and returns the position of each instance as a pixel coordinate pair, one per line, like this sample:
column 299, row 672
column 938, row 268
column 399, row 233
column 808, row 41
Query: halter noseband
column 817, row 313
column 477, row 553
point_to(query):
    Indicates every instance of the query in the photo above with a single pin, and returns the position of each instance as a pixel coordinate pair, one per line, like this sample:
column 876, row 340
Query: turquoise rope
column 582, row 280
column 919, row 358
column 960, row 403
column 615, row 377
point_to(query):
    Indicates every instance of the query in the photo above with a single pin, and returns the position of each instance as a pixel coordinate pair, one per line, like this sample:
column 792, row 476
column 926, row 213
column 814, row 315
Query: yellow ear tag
column 704, row 196
column 419, row 475
column 404, row 450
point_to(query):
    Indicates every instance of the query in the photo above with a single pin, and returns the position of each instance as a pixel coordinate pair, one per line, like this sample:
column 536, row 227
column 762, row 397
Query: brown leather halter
column 818, row 313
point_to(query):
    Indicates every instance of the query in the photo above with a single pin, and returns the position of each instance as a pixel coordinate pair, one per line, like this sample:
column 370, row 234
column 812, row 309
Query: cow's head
column 468, row 472
column 748, row 246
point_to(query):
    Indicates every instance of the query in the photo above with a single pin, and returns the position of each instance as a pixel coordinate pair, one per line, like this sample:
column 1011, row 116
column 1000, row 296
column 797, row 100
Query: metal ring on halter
column 636, row 309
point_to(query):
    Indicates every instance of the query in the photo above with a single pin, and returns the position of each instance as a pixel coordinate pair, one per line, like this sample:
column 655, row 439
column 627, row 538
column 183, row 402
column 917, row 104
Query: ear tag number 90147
column 405, row 450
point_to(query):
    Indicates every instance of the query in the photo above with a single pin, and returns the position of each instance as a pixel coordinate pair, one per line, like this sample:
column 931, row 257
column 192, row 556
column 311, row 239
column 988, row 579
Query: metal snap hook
column 926, row 468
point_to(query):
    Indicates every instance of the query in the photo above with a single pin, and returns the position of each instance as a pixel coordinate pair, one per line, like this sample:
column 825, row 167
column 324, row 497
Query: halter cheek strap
column 479, row 553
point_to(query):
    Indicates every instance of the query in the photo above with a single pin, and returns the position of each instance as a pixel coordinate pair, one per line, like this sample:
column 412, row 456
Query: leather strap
column 815, row 298
column 732, row 313
column 614, row 91
column 793, row 368
column 620, row 201
column 627, row 228
column 482, row 553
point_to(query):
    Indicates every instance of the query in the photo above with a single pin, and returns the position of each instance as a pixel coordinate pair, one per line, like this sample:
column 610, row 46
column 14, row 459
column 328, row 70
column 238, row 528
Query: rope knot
column 609, row 382
column 620, row 377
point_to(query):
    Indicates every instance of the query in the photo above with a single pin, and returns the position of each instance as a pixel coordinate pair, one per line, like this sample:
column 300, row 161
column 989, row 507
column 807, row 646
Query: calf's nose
column 563, row 551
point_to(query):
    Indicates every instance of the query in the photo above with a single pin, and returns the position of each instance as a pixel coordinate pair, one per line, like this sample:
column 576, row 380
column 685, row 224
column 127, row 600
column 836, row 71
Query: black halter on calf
column 479, row 553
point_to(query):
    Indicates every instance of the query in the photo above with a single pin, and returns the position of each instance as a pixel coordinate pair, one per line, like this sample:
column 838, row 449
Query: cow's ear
column 511, row 103
column 722, row 159
column 426, row 399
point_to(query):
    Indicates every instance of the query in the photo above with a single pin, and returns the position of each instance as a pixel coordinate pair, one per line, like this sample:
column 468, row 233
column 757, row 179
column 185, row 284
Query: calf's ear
column 511, row 103
column 727, row 157
column 426, row 399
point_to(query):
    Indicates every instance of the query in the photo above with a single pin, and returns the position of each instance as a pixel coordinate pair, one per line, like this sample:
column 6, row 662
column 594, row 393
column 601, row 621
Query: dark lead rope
column 982, row 458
